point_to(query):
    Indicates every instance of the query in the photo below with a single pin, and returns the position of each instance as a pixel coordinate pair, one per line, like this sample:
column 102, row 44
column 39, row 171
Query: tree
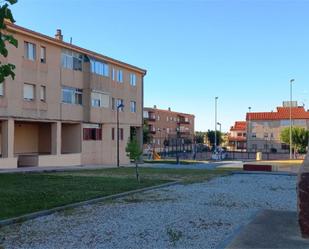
column 299, row 138
column 211, row 137
column 146, row 133
column 200, row 137
column 6, row 14
column 134, row 153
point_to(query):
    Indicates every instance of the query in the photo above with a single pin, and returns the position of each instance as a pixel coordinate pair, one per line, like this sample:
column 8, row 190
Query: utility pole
column 291, row 138
column 216, row 100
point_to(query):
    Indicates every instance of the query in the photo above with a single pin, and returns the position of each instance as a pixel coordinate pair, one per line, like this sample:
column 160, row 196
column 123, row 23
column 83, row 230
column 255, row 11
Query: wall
column 70, row 138
column 26, row 138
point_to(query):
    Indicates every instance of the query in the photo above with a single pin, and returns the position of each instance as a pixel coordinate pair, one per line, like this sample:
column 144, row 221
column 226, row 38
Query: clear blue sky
column 245, row 52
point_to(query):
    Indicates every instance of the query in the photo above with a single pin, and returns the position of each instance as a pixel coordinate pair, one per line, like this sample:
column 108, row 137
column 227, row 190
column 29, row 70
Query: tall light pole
column 216, row 100
column 118, row 107
column 218, row 123
column 248, row 130
column 291, row 139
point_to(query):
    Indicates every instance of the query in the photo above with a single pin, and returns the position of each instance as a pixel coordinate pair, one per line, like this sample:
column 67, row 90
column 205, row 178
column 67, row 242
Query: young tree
column 134, row 153
column 146, row 133
column 6, row 14
column 299, row 138
column 211, row 137
column 200, row 137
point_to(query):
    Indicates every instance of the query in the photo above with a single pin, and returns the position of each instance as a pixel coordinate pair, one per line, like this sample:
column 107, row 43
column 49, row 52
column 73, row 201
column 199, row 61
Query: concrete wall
column 59, row 160
column 303, row 198
column 71, row 138
column 26, row 138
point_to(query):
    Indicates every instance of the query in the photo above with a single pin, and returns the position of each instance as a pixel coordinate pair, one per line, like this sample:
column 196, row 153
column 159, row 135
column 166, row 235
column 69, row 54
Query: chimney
column 58, row 35
column 169, row 109
column 154, row 107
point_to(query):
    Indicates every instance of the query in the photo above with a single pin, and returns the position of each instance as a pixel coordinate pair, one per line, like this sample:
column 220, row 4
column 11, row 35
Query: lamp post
column 216, row 100
column 248, row 131
column 291, row 139
column 118, row 107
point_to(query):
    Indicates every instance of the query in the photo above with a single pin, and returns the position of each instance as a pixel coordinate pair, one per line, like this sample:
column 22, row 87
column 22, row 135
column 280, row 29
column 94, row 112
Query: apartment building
column 237, row 137
column 264, row 128
column 61, row 107
column 165, row 126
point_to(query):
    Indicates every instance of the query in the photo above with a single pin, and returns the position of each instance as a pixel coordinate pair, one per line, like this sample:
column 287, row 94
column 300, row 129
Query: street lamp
column 248, row 130
column 291, row 141
column 216, row 100
column 218, row 123
column 120, row 106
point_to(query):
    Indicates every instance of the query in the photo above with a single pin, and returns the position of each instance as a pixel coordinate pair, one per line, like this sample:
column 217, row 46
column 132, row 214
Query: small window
column 1, row 89
column 30, row 51
column 132, row 79
column 158, row 117
column 28, row 92
column 43, row 93
column 113, row 133
column 121, row 134
column 253, row 135
column 254, row 146
column 265, row 135
column 133, row 106
column 167, row 119
column 239, row 134
column 113, row 104
column 43, row 55
column 119, row 76
column 113, row 74
column 118, row 103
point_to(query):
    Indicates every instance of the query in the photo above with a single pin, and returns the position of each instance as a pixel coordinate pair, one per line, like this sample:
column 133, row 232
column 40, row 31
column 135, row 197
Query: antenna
column 71, row 40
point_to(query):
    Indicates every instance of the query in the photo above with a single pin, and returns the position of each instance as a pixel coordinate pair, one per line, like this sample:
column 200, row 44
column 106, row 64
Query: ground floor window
column 92, row 132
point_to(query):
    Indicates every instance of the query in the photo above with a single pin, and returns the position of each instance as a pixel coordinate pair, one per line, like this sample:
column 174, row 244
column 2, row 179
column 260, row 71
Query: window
column 1, row 89
column 132, row 79
column 133, row 106
column 113, row 74
column 266, row 147
column 119, row 76
column 167, row 119
column 118, row 103
column 43, row 93
column 99, row 99
column 113, row 133
column 158, row 118
column 265, row 135
column 168, row 130
column 30, row 52
column 72, row 95
column 92, row 132
column 254, row 146
column 253, row 135
column 28, row 91
column 99, row 67
column 239, row 134
column 71, row 60
column 113, row 103
column 121, row 133
column 43, row 55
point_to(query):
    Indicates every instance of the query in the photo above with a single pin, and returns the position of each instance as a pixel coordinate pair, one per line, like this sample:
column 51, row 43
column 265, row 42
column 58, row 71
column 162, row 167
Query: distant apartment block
column 61, row 107
column 165, row 126
column 237, row 138
column 264, row 128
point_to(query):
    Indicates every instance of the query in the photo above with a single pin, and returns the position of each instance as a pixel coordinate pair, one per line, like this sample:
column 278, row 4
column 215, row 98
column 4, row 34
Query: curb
column 265, row 173
column 37, row 214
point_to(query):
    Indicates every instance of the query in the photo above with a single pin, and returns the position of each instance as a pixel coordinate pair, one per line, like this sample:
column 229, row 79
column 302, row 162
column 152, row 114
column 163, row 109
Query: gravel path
column 182, row 216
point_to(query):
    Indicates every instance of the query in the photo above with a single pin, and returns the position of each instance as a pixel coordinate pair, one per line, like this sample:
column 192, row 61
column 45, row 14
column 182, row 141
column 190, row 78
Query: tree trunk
column 136, row 171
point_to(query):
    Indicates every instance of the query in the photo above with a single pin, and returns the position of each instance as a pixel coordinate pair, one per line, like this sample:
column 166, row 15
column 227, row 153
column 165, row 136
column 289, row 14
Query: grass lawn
column 26, row 193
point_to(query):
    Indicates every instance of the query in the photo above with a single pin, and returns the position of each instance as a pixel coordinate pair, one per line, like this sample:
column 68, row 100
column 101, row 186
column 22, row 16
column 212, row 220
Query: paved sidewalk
column 271, row 229
column 58, row 168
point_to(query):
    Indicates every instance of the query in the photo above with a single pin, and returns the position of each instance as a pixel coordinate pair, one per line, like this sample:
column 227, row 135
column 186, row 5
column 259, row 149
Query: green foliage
column 200, row 137
column 134, row 153
column 146, row 133
column 133, row 150
column 211, row 137
column 6, row 14
column 299, row 138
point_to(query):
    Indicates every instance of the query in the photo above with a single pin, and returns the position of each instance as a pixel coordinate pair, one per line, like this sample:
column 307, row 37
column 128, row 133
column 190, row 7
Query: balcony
column 183, row 120
column 152, row 129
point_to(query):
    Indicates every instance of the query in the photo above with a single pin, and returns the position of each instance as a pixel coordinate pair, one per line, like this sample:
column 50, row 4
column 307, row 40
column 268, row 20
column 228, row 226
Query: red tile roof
column 239, row 126
column 280, row 114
